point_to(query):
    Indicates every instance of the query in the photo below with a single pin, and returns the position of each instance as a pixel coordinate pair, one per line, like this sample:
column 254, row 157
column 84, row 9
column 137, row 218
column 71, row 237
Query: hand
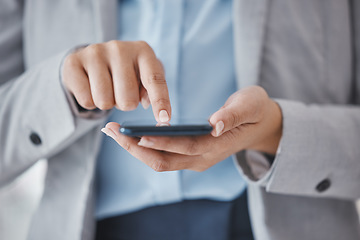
column 117, row 74
column 248, row 120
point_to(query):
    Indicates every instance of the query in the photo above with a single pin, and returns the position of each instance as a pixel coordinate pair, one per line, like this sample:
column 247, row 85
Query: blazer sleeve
column 319, row 153
column 36, row 118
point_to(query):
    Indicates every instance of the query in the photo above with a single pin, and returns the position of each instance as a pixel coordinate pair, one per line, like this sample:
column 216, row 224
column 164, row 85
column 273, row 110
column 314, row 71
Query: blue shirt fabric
column 194, row 41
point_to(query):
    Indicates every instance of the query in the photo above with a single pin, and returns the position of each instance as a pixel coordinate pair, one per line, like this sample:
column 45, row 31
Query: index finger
column 153, row 79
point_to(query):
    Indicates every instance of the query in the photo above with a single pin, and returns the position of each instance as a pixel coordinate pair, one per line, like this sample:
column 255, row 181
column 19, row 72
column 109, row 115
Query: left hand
column 248, row 120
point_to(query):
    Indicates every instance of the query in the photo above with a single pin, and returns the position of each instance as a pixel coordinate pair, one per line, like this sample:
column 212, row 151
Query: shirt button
column 323, row 185
column 35, row 138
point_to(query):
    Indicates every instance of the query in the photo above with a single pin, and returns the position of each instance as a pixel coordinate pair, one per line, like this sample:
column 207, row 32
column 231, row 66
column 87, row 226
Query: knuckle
column 104, row 105
column 114, row 46
column 71, row 60
column 234, row 119
column 94, row 50
column 162, row 102
column 261, row 90
column 192, row 147
column 113, row 43
column 127, row 146
column 157, row 79
column 143, row 45
column 86, row 102
column 127, row 105
column 160, row 165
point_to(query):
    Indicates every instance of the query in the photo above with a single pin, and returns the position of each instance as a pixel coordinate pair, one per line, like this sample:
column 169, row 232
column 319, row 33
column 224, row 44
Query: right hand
column 117, row 74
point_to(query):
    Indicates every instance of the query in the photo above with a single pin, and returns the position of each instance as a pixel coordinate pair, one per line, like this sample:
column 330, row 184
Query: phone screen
column 180, row 128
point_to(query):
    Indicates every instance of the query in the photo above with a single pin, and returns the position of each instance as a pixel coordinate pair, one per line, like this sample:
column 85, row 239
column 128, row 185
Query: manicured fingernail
column 164, row 116
column 145, row 103
column 145, row 142
column 108, row 132
column 219, row 128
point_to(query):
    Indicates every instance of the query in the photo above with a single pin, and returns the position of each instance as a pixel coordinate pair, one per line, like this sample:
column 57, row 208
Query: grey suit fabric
column 303, row 52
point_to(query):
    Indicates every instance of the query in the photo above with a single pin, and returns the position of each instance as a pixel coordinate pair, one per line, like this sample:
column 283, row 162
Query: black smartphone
column 184, row 128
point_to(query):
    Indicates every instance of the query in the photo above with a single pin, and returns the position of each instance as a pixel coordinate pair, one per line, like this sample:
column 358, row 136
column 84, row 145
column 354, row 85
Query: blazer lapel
column 249, row 27
column 105, row 13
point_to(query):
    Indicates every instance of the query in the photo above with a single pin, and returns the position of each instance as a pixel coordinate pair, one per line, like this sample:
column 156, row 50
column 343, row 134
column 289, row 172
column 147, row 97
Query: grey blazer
column 303, row 52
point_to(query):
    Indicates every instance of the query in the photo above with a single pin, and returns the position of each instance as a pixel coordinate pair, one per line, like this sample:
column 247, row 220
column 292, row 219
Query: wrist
column 271, row 131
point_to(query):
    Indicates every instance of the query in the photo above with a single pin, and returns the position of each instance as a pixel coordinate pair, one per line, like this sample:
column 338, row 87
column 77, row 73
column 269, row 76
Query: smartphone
column 185, row 128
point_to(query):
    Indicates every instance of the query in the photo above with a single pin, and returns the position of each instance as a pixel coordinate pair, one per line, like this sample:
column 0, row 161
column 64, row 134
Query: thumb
column 225, row 119
column 243, row 107
column 238, row 110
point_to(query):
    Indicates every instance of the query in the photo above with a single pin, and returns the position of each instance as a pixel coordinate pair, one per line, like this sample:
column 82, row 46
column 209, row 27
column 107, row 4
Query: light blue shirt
column 194, row 41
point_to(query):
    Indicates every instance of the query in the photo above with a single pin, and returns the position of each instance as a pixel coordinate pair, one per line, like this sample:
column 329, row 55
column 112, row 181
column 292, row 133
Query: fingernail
column 219, row 128
column 164, row 116
column 145, row 103
column 108, row 132
column 145, row 142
